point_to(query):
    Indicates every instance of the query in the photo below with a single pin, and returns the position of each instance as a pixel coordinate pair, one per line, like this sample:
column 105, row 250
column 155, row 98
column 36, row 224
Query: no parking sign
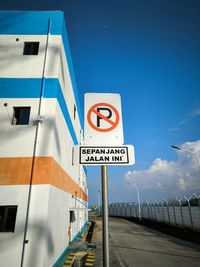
column 103, row 138
column 103, row 119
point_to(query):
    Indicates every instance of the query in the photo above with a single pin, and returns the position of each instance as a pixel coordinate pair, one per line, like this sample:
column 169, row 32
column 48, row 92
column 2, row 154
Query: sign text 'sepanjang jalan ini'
column 103, row 132
column 120, row 155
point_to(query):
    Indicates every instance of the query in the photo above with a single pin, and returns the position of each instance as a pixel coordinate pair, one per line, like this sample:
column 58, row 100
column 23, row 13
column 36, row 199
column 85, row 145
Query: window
column 72, row 217
column 31, row 48
column 74, row 112
column 8, row 218
column 21, row 115
column 72, row 156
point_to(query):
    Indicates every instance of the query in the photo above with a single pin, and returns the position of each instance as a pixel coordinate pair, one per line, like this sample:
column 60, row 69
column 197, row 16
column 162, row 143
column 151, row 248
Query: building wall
column 40, row 153
column 11, row 243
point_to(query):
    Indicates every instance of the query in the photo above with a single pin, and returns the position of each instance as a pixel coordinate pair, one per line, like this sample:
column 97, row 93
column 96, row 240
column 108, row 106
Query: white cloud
column 192, row 146
column 170, row 178
column 181, row 184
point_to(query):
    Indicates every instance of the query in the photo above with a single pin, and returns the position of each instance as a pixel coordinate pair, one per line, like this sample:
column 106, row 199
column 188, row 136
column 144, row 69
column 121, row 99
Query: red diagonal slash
column 113, row 123
column 103, row 117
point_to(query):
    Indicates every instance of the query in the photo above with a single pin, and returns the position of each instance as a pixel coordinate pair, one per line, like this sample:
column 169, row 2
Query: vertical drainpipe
column 35, row 147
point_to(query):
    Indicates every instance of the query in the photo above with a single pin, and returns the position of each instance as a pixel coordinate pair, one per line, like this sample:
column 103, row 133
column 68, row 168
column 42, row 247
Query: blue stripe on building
column 37, row 23
column 71, row 70
column 31, row 22
column 31, row 88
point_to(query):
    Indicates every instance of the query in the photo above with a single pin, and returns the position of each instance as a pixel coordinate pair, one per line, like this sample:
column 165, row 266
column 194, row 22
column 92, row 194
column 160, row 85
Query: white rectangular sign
column 103, row 119
column 106, row 155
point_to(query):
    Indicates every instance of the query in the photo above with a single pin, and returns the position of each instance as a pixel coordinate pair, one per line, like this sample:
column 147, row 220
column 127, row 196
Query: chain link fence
column 182, row 212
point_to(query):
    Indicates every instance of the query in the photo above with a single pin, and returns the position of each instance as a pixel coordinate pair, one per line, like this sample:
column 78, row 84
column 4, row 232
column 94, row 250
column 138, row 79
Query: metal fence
column 181, row 212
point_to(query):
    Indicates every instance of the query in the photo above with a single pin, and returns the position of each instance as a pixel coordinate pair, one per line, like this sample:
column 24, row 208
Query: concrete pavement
column 114, row 262
column 136, row 245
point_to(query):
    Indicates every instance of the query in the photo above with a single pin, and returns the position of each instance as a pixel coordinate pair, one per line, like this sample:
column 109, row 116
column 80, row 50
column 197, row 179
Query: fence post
column 189, row 207
column 152, row 210
column 130, row 210
column 198, row 197
column 141, row 205
column 163, row 215
column 174, row 212
column 167, row 210
column 154, row 207
column 121, row 209
column 148, row 209
column 158, row 212
column 179, row 201
column 136, row 212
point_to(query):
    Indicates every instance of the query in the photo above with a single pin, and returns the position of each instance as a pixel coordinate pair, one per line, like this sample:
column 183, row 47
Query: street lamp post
column 188, row 151
column 138, row 197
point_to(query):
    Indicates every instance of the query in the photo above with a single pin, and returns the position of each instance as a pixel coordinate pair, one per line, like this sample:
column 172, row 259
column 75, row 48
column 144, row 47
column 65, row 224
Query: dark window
column 74, row 112
column 8, row 218
column 72, row 217
column 21, row 115
column 31, row 48
column 72, row 156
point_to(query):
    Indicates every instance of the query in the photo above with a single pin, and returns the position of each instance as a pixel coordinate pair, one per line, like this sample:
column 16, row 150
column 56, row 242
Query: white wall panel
column 17, row 140
column 63, row 144
column 13, row 64
column 38, row 234
column 46, row 128
column 11, row 243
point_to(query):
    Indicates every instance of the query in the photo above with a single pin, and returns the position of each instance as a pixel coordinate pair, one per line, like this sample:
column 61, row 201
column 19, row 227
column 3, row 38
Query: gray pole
column 138, row 197
column 105, row 234
column 99, row 203
column 35, row 146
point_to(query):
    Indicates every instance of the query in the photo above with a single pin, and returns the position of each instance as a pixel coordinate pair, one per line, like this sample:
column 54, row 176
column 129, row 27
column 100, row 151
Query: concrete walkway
column 114, row 262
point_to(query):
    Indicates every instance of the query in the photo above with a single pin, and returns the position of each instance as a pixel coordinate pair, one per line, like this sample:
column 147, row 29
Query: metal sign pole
column 105, row 234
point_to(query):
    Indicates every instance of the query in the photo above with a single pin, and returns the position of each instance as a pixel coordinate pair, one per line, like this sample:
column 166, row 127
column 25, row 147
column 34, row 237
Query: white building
column 43, row 190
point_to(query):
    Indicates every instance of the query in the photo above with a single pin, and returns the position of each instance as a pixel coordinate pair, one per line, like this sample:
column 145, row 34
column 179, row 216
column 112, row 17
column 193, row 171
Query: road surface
column 136, row 245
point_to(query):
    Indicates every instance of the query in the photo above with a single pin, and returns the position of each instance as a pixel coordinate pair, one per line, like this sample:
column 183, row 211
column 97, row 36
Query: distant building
column 43, row 190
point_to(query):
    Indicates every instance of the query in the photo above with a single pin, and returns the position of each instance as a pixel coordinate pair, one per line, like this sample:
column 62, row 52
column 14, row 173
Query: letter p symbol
column 108, row 115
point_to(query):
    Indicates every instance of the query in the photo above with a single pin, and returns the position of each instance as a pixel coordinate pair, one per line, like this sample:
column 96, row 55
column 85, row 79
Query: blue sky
column 148, row 51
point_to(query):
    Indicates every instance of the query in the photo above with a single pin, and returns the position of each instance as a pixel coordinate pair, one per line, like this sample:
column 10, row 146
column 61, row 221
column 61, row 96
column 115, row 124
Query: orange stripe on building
column 17, row 171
